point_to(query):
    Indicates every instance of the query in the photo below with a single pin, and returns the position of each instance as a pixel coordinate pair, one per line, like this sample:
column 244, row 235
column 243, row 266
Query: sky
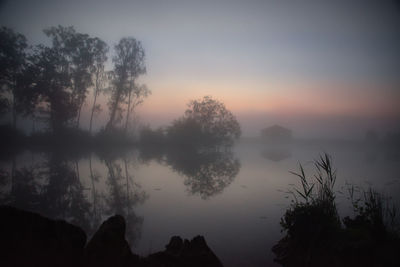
column 321, row 68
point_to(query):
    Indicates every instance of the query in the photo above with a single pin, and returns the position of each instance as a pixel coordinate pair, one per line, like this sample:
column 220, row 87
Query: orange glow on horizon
column 283, row 98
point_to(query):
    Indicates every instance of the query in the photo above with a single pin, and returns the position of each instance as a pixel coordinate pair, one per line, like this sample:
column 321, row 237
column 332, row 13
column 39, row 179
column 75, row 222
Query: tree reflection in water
column 207, row 172
column 55, row 187
column 123, row 195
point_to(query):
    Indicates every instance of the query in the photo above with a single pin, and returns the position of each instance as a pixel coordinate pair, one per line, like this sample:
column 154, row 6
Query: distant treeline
column 50, row 84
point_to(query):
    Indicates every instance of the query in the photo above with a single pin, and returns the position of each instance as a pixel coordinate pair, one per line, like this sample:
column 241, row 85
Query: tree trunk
column 14, row 110
column 77, row 170
column 93, row 107
column 128, row 112
column 79, row 113
column 113, row 111
column 13, row 173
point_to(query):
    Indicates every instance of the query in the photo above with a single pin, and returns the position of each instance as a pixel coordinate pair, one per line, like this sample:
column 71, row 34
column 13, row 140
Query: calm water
column 234, row 198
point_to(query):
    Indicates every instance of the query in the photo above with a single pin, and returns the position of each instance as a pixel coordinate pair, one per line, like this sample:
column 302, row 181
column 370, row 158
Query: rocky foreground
column 29, row 239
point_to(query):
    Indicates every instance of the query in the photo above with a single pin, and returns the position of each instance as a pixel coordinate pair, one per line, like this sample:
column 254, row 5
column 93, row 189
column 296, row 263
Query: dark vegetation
column 29, row 239
column 317, row 236
column 49, row 85
column 206, row 123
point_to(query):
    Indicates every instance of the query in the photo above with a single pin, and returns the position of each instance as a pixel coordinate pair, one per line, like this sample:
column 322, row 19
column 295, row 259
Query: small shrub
column 374, row 212
column 313, row 215
column 315, row 235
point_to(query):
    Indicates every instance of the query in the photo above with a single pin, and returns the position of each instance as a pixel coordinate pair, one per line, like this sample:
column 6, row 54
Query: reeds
column 322, row 188
column 373, row 208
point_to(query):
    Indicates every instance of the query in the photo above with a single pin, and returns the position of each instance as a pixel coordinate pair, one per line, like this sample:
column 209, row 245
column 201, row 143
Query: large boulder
column 180, row 253
column 29, row 239
column 108, row 246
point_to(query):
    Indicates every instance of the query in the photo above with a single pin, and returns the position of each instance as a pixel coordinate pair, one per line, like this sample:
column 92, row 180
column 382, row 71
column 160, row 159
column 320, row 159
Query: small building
column 276, row 133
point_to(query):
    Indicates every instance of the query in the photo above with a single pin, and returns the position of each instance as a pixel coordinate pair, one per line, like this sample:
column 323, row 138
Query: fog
column 269, row 128
column 322, row 69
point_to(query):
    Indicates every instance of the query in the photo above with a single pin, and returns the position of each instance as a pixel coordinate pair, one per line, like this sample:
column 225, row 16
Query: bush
column 206, row 123
column 315, row 235
column 313, row 214
column 149, row 137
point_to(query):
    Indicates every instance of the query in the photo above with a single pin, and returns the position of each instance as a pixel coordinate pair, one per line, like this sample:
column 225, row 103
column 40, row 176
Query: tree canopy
column 206, row 122
column 51, row 82
column 12, row 61
column 128, row 66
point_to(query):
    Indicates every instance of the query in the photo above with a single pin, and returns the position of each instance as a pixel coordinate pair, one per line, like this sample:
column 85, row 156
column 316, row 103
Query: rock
column 108, row 246
column 175, row 245
column 180, row 253
column 29, row 239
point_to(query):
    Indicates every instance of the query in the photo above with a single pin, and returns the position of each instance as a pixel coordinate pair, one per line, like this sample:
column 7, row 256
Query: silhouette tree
column 63, row 73
column 100, row 50
column 53, row 83
column 128, row 66
column 78, row 50
column 206, row 123
column 12, row 61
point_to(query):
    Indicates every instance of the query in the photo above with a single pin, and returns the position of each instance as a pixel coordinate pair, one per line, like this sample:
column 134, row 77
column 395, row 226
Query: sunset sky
column 318, row 67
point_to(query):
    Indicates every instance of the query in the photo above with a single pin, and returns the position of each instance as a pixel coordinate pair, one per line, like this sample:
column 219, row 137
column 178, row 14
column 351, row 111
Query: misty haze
column 199, row 133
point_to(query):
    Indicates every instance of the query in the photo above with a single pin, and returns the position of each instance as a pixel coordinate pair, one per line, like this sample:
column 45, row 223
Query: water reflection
column 51, row 188
column 85, row 189
column 55, row 186
column 207, row 172
column 123, row 195
column 276, row 154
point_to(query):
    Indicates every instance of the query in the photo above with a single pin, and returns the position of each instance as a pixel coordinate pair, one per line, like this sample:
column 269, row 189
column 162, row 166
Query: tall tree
column 128, row 66
column 12, row 61
column 64, row 73
column 54, row 86
column 99, row 76
column 78, row 50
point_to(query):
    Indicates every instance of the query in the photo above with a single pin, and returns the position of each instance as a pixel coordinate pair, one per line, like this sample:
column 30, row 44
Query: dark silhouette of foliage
column 54, row 86
column 10, row 139
column 128, row 66
column 155, row 138
column 206, row 123
column 100, row 50
column 51, row 82
column 315, row 235
column 71, row 58
column 313, row 214
column 12, row 61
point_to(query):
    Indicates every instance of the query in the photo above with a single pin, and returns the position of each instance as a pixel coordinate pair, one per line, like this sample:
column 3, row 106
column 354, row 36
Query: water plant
column 317, row 236
column 313, row 211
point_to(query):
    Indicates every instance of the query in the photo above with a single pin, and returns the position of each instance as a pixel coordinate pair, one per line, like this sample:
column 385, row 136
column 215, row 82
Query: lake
column 233, row 197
